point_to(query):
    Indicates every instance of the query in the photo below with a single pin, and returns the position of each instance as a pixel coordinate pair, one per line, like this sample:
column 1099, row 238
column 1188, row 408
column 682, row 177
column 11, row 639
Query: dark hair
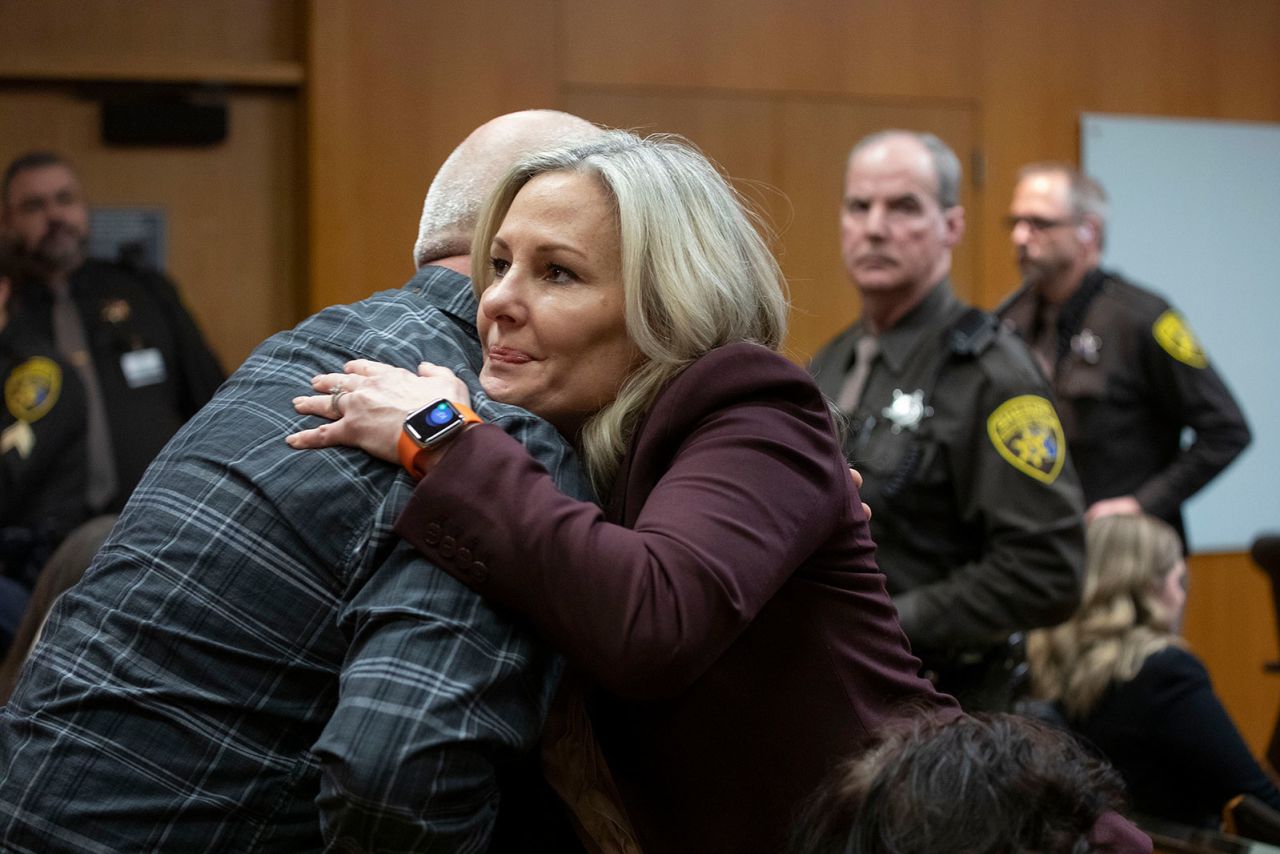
column 985, row 784
column 30, row 160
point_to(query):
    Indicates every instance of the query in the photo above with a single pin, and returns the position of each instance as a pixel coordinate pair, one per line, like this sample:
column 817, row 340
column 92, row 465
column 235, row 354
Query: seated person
column 1122, row 677
column 987, row 784
column 725, row 606
column 42, row 448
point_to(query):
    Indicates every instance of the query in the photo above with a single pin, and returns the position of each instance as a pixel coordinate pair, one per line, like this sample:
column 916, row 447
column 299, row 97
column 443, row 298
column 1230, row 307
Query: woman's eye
column 499, row 266
column 560, row 275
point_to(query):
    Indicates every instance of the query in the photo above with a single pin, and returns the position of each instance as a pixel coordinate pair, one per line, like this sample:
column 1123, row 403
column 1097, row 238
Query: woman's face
column 1173, row 591
column 551, row 322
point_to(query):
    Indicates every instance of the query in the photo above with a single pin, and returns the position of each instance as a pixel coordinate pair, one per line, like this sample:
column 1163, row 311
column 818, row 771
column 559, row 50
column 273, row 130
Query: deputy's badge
column 33, row 388
column 19, row 437
column 1172, row 333
column 907, row 410
column 1086, row 346
column 115, row 310
column 1027, row 433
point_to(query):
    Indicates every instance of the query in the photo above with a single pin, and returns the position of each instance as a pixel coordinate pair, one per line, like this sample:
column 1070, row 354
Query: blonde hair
column 696, row 272
column 1121, row 621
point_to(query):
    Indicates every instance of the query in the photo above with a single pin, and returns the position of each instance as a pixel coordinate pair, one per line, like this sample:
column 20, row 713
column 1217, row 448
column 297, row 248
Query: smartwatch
column 427, row 429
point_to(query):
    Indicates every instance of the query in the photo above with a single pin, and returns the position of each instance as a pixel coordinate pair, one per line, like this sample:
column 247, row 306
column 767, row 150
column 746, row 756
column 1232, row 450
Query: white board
column 1195, row 215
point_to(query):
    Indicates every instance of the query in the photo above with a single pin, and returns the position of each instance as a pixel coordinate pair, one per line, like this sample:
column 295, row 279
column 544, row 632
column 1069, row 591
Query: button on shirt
column 255, row 662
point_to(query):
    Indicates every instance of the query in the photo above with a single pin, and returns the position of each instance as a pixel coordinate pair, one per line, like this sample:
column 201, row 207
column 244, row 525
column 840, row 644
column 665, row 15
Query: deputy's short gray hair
column 946, row 166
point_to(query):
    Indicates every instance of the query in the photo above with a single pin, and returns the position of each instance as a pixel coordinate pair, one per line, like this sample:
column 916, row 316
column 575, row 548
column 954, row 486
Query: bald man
column 254, row 662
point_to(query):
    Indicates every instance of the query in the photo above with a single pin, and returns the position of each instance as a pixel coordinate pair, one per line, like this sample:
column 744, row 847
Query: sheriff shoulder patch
column 33, row 388
column 1175, row 336
column 1026, row 432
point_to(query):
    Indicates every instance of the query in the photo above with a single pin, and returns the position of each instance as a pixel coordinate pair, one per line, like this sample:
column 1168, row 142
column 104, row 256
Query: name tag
column 143, row 367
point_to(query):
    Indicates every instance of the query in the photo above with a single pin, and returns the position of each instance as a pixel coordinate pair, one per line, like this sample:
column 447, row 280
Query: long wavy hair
column 696, row 271
column 1121, row 621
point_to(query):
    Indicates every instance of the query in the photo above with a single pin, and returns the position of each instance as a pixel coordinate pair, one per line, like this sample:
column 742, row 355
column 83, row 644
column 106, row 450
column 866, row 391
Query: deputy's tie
column 68, row 337
column 867, row 348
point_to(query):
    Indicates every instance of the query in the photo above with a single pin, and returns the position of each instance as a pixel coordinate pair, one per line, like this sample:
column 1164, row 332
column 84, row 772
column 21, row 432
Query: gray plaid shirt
column 255, row 662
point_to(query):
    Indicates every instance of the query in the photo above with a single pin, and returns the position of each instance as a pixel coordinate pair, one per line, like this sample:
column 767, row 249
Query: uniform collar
column 448, row 291
column 898, row 343
column 1071, row 314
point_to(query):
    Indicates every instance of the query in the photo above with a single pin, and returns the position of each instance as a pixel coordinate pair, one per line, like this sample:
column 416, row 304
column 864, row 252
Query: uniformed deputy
column 1128, row 372
column 978, row 513
column 42, row 447
column 142, row 361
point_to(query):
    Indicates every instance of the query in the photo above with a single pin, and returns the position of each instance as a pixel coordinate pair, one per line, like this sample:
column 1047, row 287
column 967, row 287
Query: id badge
column 143, row 367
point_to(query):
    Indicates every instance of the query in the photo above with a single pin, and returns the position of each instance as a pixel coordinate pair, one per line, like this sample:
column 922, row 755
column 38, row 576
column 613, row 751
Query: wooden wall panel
column 1045, row 62
column 1231, row 624
column 76, row 32
column 882, row 48
column 393, row 86
column 233, row 228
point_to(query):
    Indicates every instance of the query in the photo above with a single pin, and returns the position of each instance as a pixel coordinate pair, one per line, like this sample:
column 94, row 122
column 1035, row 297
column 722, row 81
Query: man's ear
column 1090, row 230
column 953, row 217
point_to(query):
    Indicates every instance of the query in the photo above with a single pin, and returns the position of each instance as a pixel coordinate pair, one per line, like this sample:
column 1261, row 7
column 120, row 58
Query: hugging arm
column 751, row 489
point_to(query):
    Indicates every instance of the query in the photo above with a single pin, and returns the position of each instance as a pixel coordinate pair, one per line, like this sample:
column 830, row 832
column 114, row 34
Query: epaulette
column 973, row 333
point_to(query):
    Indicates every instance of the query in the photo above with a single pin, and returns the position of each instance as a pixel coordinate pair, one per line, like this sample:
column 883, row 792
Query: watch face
column 433, row 422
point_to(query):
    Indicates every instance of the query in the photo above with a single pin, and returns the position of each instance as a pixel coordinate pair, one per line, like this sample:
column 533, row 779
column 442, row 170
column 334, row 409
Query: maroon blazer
column 726, row 603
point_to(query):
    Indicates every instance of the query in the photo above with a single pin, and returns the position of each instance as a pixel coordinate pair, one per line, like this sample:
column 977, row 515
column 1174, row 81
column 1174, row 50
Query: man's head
column 901, row 215
column 44, row 208
column 463, row 183
column 1057, row 222
column 985, row 784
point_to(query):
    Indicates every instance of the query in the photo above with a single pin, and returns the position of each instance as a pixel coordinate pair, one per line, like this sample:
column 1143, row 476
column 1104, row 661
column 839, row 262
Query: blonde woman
column 725, row 605
column 1126, row 681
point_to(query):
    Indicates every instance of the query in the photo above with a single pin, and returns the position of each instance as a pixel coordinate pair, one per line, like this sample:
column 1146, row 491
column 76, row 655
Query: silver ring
column 337, row 394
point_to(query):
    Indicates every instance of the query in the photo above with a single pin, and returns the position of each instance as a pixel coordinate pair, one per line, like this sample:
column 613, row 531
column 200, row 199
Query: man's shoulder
column 405, row 320
column 975, row 339
column 835, row 354
column 97, row 272
column 1009, row 366
column 1136, row 303
column 845, row 335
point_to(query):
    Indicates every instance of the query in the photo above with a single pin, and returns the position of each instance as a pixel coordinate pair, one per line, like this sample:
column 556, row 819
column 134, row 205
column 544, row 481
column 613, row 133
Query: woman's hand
column 857, row 481
column 368, row 404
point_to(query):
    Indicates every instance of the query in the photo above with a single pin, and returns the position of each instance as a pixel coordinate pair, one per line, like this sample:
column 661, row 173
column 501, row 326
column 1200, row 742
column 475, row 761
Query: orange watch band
column 412, row 457
column 417, row 458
